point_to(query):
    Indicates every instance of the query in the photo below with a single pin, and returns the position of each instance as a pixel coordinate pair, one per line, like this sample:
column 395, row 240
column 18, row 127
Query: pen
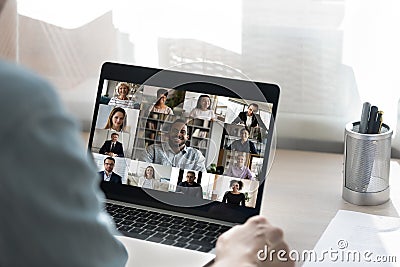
column 372, row 119
column 379, row 121
column 377, row 125
column 364, row 118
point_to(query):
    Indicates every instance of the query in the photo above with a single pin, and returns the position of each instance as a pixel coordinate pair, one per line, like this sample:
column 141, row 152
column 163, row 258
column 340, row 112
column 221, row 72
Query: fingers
column 273, row 235
column 258, row 219
column 242, row 243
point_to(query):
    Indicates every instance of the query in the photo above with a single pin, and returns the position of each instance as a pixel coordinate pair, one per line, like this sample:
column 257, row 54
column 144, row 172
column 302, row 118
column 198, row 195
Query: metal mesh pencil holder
column 366, row 165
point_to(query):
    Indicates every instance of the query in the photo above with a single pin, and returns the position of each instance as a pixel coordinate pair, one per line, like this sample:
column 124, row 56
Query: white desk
column 304, row 192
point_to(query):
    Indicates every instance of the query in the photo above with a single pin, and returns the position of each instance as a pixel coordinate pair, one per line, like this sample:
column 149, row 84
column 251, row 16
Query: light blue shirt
column 188, row 158
column 239, row 172
column 51, row 214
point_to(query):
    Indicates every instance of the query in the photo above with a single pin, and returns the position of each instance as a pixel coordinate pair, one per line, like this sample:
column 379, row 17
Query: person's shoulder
column 17, row 72
column 21, row 82
column 116, row 175
column 194, row 150
column 153, row 147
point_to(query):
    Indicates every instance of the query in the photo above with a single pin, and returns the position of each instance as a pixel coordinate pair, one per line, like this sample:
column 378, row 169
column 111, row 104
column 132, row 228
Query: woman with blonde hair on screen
column 120, row 99
column 149, row 180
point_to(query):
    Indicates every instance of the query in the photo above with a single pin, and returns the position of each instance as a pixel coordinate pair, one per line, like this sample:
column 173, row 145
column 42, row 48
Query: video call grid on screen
column 214, row 132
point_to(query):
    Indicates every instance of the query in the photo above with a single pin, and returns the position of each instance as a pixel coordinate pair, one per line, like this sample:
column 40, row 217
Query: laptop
column 182, row 157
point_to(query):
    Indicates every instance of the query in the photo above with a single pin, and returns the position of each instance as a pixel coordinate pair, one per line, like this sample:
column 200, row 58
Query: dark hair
column 240, row 183
column 145, row 170
column 110, row 158
column 198, row 101
column 244, row 129
column 192, row 172
column 160, row 92
column 114, row 134
column 254, row 105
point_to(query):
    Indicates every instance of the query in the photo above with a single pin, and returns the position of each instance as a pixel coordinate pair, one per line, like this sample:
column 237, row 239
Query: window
column 328, row 56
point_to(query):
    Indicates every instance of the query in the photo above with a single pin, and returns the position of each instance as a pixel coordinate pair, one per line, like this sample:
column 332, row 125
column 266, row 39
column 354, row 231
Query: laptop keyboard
column 165, row 229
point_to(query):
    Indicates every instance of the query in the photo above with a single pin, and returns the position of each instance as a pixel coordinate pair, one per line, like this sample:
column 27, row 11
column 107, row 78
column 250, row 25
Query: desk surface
column 304, row 192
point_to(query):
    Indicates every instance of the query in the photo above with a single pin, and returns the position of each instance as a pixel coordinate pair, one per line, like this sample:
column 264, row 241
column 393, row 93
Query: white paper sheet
column 358, row 239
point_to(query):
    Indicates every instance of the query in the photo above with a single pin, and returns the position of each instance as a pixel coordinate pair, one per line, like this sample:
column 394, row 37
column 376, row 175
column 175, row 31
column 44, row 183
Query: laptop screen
column 184, row 142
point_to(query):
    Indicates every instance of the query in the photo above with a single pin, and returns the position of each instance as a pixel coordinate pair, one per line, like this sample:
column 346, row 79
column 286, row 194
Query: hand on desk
column 111, row 154
column 240, row 245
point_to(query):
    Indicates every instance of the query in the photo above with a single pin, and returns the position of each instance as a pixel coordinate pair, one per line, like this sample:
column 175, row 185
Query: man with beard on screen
column 174, row 152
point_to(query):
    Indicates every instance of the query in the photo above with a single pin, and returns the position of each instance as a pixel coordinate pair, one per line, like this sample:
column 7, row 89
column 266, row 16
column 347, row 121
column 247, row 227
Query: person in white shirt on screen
column 160, row 106
column 108, row 175
column 203, row 109
column 121, row 99
column 54, row 214
column 174, row 151
column 148, row 180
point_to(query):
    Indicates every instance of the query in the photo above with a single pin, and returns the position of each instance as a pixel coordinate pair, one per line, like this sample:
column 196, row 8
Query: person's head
column 178, row 133
column 149, row 172
column 116, row 119
column 244, row 134
column 162, row 95
column 114, row 137
column 122, row 89
column 252, row 109
column 204, row 102
column 190, row 177
column 240, row 159
column 236, row 185
column 109, row 163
